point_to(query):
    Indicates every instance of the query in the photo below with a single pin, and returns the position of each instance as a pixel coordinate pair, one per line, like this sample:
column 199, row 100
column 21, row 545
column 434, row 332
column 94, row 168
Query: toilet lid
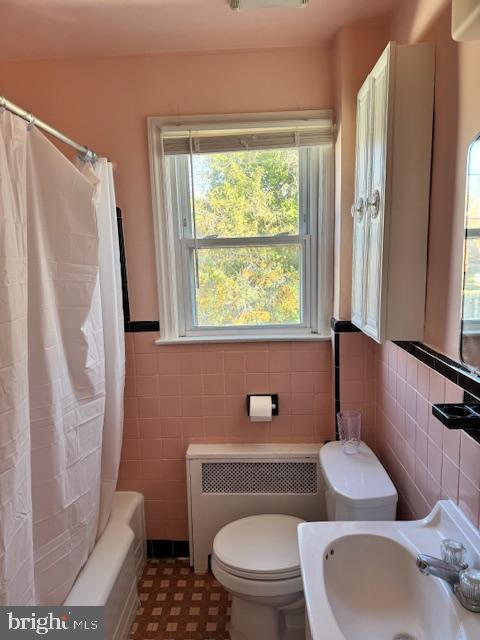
column 263, row 546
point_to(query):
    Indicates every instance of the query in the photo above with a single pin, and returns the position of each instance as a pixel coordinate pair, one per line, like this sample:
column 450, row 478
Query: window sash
column 181, row 196
column 185, row 244
column 190, row 327
column 243, row 241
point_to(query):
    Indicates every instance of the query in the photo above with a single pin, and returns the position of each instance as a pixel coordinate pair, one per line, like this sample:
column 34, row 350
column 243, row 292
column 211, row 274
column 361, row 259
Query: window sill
column 293, row 337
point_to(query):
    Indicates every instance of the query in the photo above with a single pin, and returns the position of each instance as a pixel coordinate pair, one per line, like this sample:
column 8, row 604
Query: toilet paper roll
column 260, row 408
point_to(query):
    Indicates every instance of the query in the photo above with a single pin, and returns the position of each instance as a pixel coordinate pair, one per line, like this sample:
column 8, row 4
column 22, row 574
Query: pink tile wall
column 395, row 392
column 357, row 380
column 426, row 461
column 179, row 394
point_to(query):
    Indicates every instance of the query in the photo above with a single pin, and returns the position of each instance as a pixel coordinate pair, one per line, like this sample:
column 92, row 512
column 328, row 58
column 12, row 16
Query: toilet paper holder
column 274, row 397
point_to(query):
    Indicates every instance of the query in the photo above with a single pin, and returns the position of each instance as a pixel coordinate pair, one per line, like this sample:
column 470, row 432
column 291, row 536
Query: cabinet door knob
column 373, row 203
column 357, row 209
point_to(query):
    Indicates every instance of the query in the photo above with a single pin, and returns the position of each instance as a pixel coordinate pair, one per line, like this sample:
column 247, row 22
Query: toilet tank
column 357, row 487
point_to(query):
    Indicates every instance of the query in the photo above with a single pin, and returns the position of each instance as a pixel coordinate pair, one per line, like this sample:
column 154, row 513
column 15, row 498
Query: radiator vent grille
column 259, row 477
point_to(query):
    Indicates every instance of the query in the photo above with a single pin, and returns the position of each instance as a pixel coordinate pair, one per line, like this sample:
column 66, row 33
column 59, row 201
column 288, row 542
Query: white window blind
column 211, row 139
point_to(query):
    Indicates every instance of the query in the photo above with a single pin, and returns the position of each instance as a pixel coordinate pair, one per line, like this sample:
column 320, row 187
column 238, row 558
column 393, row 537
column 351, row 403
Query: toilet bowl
column 256, row 560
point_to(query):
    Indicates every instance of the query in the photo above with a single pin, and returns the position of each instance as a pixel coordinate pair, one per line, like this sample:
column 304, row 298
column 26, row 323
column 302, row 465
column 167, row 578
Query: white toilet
column 357, row 487
column 256, row 558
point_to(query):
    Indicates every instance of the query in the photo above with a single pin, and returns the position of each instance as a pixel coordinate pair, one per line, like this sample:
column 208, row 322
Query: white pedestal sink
column 361, row 581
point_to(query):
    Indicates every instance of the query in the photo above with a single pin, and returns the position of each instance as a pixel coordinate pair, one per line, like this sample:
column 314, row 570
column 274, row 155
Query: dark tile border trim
column 450, row 369
column 123, row 269
column 338, row 326
column 130, row 326
column 168, row 549
column 142, row 325
column 343, row 326
column 336, row 355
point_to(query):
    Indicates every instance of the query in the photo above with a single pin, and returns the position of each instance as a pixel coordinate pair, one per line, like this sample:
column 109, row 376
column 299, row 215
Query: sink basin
column 375, row 590
column 361, row 581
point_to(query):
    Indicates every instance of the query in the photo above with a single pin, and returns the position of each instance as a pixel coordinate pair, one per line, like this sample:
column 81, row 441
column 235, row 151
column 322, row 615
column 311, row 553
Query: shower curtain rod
column 84, row 152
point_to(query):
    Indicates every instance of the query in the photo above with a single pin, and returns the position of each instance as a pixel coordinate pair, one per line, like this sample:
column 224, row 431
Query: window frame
column 169, row 198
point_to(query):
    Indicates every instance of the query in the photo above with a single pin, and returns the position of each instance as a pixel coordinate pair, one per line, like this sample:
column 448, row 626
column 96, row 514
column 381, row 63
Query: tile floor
column 177, row 604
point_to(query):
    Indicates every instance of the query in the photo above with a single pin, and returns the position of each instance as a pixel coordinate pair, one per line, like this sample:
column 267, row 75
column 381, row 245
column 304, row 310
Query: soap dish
column 458, row 416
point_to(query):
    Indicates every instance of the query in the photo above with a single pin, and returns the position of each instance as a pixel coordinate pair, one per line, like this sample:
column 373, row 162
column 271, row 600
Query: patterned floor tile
column 177, row 604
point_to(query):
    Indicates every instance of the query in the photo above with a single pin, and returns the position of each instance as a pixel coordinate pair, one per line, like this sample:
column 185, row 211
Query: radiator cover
column 227, row 482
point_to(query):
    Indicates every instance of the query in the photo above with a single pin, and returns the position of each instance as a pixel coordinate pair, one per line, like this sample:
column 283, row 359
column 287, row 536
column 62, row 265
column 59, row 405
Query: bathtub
column 109, row 578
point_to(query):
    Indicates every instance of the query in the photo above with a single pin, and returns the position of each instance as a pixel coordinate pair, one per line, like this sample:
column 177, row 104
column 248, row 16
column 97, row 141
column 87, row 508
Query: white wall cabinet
column 392, row 187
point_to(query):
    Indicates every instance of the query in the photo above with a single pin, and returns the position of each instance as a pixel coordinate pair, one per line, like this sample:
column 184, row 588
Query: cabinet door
column 374, row 212
column 362, row 154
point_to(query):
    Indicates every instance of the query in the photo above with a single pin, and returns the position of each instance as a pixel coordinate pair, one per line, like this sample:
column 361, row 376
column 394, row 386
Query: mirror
column 470, row 327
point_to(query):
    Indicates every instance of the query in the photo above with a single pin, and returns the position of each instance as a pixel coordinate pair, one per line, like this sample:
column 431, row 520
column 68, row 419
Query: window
column 243, row 226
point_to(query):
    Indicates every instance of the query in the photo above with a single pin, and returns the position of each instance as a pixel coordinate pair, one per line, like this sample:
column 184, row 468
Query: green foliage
column 246, row 194
column 471, row 285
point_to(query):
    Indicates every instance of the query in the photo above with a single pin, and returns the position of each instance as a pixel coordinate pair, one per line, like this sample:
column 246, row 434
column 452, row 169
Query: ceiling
column 36, row 29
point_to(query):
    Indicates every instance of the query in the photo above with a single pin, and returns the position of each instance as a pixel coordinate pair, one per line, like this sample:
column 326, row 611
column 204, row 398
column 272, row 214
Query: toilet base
column 272, row 619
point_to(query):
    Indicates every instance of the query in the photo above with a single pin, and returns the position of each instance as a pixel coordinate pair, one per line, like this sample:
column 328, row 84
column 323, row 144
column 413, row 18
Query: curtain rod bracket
column 30, row 121
column 88, row 156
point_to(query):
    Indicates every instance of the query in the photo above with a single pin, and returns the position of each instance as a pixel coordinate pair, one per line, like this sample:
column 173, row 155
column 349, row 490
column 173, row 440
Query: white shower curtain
column 52, row 413
column 101, row 175
column 16, row 544
column 66, row 366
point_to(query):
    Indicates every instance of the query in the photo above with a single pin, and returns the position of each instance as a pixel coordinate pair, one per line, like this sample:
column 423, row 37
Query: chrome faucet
column 451, row 568
column 431, row 566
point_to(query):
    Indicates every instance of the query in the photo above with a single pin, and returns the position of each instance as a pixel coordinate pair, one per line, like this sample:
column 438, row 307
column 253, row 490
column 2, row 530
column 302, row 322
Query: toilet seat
column 256, row 587
column 257, row 575
column 262, row 548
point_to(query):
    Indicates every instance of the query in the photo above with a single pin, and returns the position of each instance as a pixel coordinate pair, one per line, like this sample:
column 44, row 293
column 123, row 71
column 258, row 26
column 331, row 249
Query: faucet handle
column 470, row 584
column 453, row 552
column 468, row 589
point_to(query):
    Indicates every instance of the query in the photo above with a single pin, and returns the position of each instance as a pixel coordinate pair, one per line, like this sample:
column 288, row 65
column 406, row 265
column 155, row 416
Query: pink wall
column 181, row 394
column 413, row 18
column 426, row 461
column 457, row 121
column 358, row 379
column 104, row 103
column 175, row 395
column 457, row 95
